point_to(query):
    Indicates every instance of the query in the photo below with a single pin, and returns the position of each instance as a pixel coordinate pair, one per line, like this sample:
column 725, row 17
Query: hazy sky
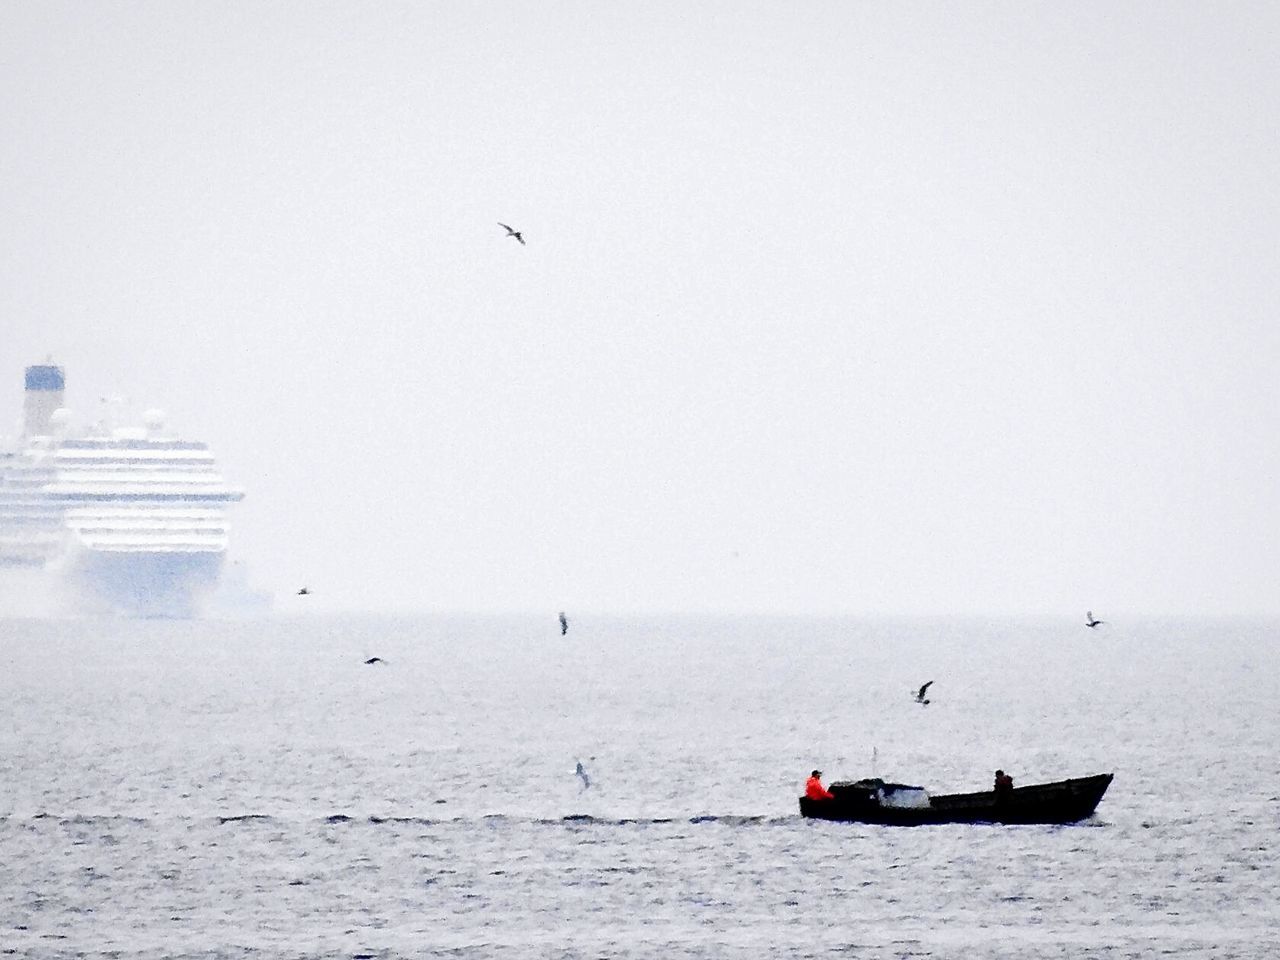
column 830, row 307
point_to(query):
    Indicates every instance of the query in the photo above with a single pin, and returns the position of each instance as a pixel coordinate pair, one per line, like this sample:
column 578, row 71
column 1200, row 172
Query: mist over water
column 214, row 789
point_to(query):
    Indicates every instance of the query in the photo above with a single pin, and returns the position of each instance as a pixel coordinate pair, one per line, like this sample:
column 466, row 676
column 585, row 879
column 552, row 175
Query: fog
column 824, row 308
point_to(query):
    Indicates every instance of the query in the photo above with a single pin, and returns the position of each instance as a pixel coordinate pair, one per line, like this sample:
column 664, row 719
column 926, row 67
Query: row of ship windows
column 62, row 508
column 71, row 463
column 117, row 443
column 37, row 489
column 23, row 534
column 80, row 479
column 132, row 499
column 103, row 470
column 50, row 532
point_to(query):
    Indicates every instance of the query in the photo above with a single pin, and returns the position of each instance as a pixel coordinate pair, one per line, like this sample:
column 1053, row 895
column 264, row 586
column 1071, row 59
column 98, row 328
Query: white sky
column 825, row 307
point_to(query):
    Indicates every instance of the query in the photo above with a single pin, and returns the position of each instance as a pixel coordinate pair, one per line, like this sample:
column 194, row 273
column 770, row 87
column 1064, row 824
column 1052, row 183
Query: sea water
column 254, row 789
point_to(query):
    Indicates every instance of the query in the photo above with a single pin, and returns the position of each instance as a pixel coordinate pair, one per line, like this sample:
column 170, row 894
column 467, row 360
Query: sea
column 254, row 789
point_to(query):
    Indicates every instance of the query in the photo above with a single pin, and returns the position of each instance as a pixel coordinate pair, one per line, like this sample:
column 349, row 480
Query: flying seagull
column 375, row 660
column 304, row 592
column 564, row 624
column 920, row 694
column 581, row 773
column 512, row 233
column 1090, row 622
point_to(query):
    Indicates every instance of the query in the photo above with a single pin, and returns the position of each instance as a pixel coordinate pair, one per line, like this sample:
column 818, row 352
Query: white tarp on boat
column 909, row 797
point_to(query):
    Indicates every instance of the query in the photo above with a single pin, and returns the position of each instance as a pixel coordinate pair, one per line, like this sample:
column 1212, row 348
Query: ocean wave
column 731, row 820
column 248, row 818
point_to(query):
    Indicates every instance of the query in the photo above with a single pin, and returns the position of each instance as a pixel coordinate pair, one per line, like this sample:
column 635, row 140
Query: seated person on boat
column 814, row 790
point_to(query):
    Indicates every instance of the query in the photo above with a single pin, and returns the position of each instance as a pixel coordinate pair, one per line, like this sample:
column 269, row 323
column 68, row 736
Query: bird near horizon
column 304, row 592
column 564, row 624
column 920, row 694
column 374, row 660
column 581, row 773
column 511, row 232
column 1090, row 622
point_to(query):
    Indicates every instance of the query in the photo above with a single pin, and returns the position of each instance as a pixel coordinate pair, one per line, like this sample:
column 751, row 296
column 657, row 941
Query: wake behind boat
column 897, row 804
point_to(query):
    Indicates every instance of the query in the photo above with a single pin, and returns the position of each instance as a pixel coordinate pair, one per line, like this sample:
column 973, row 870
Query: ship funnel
column 44, row 396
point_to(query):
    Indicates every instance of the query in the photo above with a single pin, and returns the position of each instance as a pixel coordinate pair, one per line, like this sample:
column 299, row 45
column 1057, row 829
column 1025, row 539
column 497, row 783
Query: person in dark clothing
column 1004, row 785
column 814, row 790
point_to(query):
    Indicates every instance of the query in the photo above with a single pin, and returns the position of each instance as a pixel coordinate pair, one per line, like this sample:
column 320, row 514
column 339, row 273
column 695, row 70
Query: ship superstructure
column 131, row 520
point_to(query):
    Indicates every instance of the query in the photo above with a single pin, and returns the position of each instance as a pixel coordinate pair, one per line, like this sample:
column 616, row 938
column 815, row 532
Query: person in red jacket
column 814, row 790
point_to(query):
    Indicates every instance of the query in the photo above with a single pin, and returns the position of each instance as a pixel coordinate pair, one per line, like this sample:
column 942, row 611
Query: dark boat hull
column 1065, row 801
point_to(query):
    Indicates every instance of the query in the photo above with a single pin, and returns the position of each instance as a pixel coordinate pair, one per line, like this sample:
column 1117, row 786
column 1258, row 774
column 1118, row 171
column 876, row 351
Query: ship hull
column 141, row 584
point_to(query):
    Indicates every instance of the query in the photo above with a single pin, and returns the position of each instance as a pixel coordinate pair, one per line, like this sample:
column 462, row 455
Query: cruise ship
column 131, row 521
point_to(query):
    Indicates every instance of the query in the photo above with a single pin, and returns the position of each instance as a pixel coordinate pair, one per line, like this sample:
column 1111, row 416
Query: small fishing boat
column 900, row 805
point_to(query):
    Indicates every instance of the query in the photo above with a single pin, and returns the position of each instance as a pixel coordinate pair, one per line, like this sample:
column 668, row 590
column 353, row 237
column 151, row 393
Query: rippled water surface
column 255, row 790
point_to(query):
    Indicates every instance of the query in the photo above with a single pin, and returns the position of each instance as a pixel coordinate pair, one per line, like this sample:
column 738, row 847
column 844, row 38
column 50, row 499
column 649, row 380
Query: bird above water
column 375, row 660
column 581, row 773
column 1090, row 622
column 564, row 624
column 512, row 233
column 920, row 694
column 304, row 592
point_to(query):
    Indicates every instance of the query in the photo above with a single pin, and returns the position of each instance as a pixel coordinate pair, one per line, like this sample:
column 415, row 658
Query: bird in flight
column 304, row 592
column 1090, row 622
column 920, row 694
column 512, row 233
column 375, row 660
column 581, row 773
column 564, row 624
